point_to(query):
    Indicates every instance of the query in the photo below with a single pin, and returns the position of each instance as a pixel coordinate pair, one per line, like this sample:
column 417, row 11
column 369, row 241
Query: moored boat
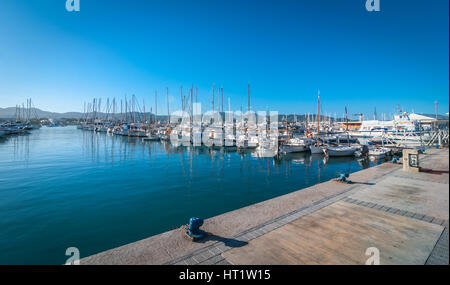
column 340, row 151
column 379, row 152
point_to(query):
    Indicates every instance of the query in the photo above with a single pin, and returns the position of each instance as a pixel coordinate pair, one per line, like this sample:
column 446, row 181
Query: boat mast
column 248, row 97
column 346, row 123
column 192, row 104
column 213, row 97
column 318, row 118
column 156, row 107
column 145, row 115
column 168, row 111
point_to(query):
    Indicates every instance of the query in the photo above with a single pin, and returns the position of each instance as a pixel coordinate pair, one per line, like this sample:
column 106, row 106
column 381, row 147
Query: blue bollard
column 343, row 177
column 193, row 230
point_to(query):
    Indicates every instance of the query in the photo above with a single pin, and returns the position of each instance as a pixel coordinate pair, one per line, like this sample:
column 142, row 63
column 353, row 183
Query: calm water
column 63, row 187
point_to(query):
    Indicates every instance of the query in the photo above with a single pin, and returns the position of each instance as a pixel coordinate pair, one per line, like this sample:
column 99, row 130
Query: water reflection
column 150, row 187
column 113, row 149
column 100, row 147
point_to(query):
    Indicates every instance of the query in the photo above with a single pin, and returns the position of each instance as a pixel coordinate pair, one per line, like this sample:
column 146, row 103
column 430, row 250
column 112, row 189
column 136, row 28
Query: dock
column 404, row 215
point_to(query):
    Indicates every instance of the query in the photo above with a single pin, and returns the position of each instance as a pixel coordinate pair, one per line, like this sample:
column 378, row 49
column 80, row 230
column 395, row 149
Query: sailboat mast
column 248, row 97
column 318, row 118
column 156, row 106
column 213, row 97
column 168, row 111
column 192, row 104
column 346, row 123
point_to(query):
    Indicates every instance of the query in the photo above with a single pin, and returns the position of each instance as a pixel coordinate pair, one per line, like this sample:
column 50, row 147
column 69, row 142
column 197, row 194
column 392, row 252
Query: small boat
column 379, row 152
column 315, row 149
column 152, row 137
column 337, row 151
column 244, row 143
column 295, row 145
column 267, row 148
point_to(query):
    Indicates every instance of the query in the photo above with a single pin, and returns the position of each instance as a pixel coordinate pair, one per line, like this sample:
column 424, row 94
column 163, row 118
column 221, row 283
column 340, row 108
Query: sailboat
column 379, row 152
column 342, row 150
column 295, row 145
column 316, row 148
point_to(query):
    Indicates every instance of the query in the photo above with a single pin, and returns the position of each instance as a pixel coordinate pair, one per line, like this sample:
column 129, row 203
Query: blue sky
column 286, row 50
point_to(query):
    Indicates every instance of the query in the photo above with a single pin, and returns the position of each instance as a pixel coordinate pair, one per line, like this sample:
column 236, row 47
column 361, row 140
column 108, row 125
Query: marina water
column 64, row 187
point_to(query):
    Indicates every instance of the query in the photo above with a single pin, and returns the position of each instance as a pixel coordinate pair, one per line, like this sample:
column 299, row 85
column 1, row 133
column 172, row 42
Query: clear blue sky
column 286, row 50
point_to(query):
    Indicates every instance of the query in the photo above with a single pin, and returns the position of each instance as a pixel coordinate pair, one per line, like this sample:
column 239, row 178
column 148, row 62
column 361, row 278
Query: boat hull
column 316, row 149
column 339, row 152
column 293, row 148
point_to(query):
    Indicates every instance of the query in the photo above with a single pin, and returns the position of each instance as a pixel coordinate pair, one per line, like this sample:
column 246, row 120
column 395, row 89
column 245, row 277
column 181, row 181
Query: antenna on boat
column 156, row 106
column 168, row 111
column 213, row 97
column 346, row 123
column 248, row 97
column 318, row 118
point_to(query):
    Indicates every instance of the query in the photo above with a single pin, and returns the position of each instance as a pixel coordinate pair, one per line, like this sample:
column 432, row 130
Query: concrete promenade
column 402, row 214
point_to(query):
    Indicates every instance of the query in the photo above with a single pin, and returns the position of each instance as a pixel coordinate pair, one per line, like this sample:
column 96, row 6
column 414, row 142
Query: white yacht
column 340, row 150
column 295, row 145
column 316, row 149
column 379, row 152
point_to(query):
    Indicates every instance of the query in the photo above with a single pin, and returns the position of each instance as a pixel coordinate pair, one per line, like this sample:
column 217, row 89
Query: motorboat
column 295, row 145
column 379, row 152
column 342, row 150
column 316, row 149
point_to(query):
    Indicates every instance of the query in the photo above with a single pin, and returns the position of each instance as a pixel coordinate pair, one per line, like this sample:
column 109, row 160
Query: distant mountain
column 33, row 113
column 10, row 113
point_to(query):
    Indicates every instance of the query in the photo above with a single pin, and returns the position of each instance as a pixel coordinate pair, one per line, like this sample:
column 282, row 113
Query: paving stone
column 378, row 207
column 223, row 262
column 437, row 221
column 212, row 260
column 418, row 216
column 214, row 250
column 222, row 247
column 427, row 218
column 207, row 254
column 392, row 210
column 199, row 257
column 191, row 261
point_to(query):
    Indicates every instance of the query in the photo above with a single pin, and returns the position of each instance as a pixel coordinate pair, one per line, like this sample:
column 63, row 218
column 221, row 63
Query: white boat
column 152, row 137
column 316, row 149
column 295, row 145
column 267, row 147
column 379, row 152
column 401, row 130
column 244, row 143
column 340, row 150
